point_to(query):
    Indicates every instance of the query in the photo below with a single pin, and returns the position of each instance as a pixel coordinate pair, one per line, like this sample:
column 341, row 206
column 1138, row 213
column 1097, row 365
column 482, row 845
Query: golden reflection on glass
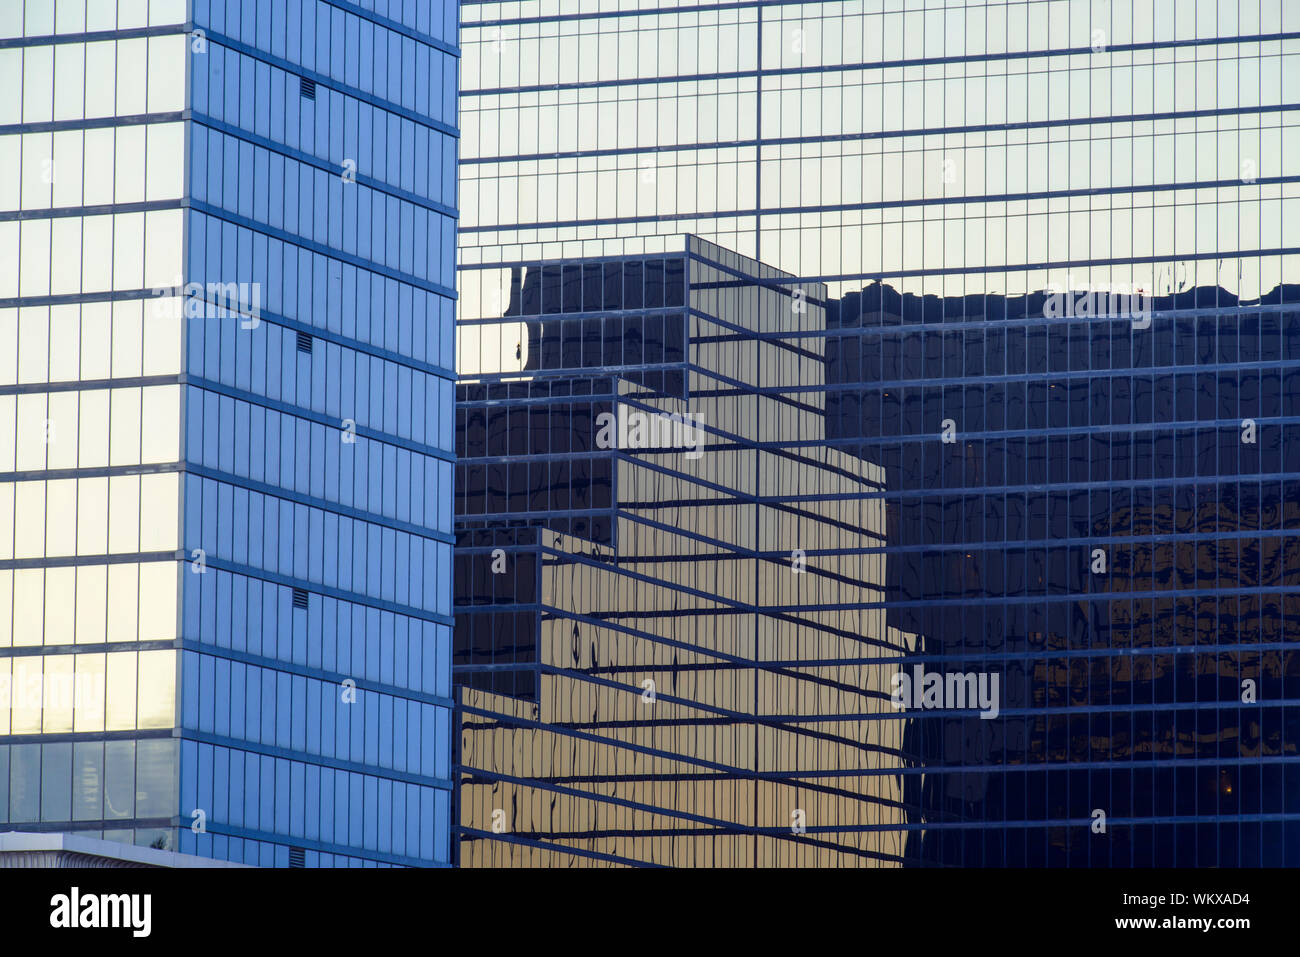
column 6, row 691
column 157, row 689
column 61, row 430
column 26, row 694
column 92, row 603
column 158, row 580
column 60, row 517
column 65, row 342
column 29, row 536
column 58, row 694
column 60, row 605
column 120, row 684
column 124, row 512
column 6, row 521
column 91, row 684
column 123, row 602
column 92, row 516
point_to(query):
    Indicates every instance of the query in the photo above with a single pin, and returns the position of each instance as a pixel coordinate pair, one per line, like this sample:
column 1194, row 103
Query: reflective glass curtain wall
column 225, row 425
column 945, row 169
column 648, row 671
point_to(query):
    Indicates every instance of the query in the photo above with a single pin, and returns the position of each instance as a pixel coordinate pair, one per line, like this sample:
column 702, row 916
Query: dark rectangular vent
column 307, row 87
column 304, row 342
column 299, row 598
column 297, row 857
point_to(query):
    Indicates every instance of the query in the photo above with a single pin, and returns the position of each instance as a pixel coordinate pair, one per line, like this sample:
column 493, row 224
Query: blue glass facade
column 1059, row 287
column 251, row 307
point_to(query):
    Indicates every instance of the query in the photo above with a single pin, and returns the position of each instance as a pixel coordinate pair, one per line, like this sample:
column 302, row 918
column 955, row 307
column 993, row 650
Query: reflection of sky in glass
column 984, row 149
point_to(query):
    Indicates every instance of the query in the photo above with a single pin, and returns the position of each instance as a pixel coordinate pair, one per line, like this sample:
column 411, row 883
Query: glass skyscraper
column 227, row 243
column 1058, row 333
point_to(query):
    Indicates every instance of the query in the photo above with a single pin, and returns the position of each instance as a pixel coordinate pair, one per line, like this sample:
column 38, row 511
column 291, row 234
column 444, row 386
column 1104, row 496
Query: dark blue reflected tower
column 1113, row 526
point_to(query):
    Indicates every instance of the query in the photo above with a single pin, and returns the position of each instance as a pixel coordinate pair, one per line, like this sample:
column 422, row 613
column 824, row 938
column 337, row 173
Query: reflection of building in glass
column 953, row 159
column 1113, row 529
column 956, row 155
column 226, row 260
column 660, row 632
